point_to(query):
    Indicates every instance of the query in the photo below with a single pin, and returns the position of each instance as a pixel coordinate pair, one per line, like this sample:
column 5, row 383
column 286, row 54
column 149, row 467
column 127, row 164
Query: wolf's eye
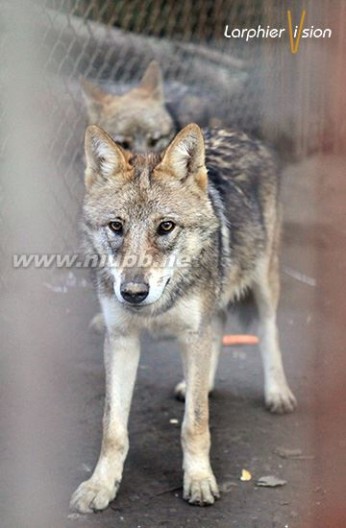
column 152, row 142
column 116, row 227
column 125, row 145
column 165, row 227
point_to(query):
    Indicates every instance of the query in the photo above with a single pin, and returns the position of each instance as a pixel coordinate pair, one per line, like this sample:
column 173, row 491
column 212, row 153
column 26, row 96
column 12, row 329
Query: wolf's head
column 150, row 214
column 137, row 120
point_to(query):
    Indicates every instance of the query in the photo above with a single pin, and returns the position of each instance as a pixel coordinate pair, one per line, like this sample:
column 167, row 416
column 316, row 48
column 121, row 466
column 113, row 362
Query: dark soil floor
column 55, row 436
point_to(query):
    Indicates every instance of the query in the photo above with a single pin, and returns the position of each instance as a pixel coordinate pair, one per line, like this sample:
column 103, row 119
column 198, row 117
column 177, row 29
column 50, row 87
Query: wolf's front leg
column 200, row 486
column 121, row 361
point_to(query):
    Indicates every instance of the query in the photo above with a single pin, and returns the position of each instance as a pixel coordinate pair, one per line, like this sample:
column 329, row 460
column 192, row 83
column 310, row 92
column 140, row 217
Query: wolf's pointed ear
column 184, row 158
column 105, row 159
column 95, row 98
column 152, row 82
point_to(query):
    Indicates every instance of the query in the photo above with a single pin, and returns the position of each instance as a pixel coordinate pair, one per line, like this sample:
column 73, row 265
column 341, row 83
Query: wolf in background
column 137, row 120
column 211, row 203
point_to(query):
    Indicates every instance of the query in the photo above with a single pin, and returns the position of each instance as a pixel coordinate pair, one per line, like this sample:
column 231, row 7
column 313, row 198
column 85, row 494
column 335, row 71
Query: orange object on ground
column 229, row 340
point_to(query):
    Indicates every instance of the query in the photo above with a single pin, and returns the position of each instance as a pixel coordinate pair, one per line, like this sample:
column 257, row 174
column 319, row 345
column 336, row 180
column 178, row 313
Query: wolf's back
column 243, row 182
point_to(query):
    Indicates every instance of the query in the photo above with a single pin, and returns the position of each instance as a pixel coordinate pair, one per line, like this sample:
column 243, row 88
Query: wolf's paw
column 280, row 400
column 200, row 491
column 93, row 496
column 97, row 323
column 180, row 391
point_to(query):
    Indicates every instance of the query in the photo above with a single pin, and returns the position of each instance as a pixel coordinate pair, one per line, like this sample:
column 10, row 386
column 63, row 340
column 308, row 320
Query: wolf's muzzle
column 134, row 292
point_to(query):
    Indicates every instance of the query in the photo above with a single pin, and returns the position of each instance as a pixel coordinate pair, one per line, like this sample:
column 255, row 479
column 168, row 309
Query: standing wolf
column 200, row 224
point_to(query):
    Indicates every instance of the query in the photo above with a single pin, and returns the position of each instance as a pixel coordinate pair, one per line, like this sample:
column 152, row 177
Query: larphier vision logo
column 295, row 32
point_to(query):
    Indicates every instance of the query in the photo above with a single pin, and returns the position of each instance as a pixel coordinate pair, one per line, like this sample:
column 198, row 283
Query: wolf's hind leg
column 218, row 326
column 278, row 396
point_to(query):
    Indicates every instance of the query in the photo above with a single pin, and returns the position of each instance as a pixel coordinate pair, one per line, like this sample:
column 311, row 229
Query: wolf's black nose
column 134, row 292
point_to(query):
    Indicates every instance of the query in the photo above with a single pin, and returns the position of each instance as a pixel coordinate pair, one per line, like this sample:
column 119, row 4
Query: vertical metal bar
column 30, row 341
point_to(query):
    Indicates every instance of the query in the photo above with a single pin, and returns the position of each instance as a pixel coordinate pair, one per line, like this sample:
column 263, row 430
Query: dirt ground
column 46, row 457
